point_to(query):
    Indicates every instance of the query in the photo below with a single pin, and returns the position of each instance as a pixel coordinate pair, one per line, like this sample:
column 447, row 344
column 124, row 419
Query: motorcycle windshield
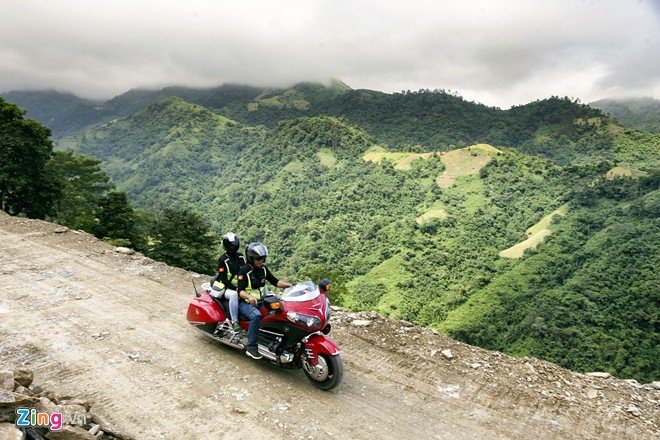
column 301, row 292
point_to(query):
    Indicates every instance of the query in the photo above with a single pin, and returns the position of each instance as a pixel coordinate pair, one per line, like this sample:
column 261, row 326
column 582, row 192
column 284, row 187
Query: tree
column 182, row 239
column 83, row 185
column 26, row 186
column 117, row 222
column 339, row 291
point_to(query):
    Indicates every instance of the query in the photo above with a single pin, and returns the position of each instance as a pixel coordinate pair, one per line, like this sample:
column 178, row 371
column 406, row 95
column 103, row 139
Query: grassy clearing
column 401, row 160
column 619, row 172
column 460, row 162
column 431, row 215
column 536, row 235
column 485, row 147
column 293, row 167
column 326, row 157
column 518, row 250
column 406, row 163
column 377, row 156
column 464, row 161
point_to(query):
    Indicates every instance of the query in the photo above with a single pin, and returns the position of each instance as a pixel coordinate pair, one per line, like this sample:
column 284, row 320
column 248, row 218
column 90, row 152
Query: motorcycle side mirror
column 324, row 285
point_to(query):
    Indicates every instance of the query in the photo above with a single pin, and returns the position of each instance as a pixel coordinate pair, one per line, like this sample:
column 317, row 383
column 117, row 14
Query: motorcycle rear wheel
column 327, row 373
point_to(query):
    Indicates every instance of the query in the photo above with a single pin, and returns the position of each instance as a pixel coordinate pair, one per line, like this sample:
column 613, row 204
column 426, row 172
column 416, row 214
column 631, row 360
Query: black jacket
column 250, row 278
column 228, row 268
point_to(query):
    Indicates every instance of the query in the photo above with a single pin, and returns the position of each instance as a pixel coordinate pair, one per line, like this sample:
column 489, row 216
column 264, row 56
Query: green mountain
column 556, row 128
column 640, row 113
column 417, row 229
column 167, row 153
column 63, row 113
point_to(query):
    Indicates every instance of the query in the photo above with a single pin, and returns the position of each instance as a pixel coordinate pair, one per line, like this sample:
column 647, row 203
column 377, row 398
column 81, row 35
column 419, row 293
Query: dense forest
column 408, row 201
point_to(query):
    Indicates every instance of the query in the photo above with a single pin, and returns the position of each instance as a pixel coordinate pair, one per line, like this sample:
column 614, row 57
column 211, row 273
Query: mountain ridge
column 235, row 100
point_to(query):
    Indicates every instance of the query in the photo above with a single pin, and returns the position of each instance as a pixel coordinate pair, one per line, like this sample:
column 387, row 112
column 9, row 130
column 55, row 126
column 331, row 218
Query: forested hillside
column 407, row 201
column 589, row 294
column 639, row 113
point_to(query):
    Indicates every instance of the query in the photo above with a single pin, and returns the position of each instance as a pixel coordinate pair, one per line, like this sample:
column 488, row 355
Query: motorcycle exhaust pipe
column 284, row 358
column 265, row 352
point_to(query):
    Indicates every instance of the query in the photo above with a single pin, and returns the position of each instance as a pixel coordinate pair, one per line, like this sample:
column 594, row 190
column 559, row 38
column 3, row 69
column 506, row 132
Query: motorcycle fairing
column 318, row 343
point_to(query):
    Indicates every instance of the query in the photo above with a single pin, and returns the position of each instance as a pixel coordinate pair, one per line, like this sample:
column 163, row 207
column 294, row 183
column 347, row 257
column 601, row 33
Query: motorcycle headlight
column 312, row 322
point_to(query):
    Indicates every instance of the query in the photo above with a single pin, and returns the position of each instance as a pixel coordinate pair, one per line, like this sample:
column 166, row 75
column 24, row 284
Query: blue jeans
column 252, row 313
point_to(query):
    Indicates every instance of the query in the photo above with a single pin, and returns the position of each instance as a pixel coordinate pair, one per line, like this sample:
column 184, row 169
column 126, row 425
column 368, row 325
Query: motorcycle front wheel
column 327, row 373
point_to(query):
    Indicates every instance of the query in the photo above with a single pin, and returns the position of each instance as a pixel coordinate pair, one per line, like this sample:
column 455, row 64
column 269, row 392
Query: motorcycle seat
column 213, row 292
column 223, row 303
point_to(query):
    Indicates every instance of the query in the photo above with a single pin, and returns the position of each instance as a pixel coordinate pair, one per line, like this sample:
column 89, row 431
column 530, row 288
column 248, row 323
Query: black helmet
column 230, row 242
column 256, row 250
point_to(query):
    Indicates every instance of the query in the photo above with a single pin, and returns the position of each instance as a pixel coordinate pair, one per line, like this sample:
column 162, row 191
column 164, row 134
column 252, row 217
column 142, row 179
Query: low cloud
column 499, row 53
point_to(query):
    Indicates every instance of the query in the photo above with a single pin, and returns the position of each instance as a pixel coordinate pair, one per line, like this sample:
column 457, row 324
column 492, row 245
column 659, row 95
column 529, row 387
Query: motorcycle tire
column 327, row 374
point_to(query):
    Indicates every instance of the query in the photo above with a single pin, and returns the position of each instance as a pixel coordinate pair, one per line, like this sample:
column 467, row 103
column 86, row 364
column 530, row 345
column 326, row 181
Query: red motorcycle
column 293, row 331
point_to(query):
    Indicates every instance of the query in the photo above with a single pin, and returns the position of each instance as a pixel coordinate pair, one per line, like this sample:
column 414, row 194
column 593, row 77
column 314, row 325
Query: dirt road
column 110, row 327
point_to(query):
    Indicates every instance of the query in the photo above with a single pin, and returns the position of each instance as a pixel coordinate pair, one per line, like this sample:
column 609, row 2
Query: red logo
column 240, row 277
column 222, row 269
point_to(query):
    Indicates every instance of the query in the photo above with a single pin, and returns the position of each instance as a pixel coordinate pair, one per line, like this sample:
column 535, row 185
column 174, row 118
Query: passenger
column 229, row 264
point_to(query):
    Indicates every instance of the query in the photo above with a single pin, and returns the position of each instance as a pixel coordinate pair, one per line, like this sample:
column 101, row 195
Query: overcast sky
column 497, row 52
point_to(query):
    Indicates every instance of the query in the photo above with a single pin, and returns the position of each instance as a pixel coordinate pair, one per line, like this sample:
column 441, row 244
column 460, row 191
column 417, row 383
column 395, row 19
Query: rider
column 251, row 278
column 228, row 265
